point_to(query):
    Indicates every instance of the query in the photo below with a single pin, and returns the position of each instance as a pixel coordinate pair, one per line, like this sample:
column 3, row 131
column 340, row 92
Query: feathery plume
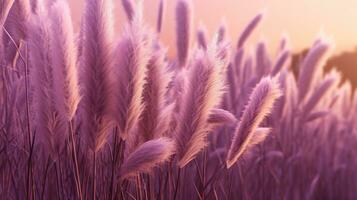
column 221, row 33
column 48, row 123
column 259, row 106
column 202, row 38
column 203, row 92
column 147, row 156
column 263, row 62
column 219, row 116
column 96, row 67
column 331, row 81
column 284, row 42
column 160, row 16
column 183, row 30
column 311, row 67
column 248, row 30
column 64, row 61
column 155, row 116
column 130, row 67
column 281, row 62
column 129, row 8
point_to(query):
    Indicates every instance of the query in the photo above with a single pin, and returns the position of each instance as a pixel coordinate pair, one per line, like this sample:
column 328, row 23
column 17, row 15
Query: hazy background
column 301, row 20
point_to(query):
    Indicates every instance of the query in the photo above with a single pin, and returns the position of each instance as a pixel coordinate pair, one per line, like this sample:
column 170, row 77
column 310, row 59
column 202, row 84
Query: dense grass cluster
column 89, row 115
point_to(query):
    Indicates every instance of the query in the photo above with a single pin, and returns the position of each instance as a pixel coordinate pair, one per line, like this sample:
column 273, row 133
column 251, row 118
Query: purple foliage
column 213, row 122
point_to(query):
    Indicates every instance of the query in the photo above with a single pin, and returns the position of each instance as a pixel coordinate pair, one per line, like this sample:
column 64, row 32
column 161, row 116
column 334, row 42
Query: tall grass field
column 90, row 115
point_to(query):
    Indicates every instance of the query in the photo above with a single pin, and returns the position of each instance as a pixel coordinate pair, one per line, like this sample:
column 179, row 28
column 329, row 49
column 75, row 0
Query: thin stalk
column 74, row 154
column 177, row 183
column 45, row 179
column 61, row 176
column 114, row 161
column 57, row 182
column 94, row 174
column 28, row 125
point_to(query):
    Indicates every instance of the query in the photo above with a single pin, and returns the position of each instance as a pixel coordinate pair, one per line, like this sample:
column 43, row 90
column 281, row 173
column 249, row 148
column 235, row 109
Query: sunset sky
column 301, row 20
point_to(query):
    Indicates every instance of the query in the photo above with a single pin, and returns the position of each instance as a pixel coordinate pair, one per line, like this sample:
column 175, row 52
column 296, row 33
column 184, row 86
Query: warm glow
column 301, row 20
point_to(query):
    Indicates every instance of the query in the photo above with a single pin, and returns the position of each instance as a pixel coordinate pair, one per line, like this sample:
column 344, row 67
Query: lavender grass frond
column 311, row 67
column 183, row 30
column 221, row 33
column 131, row 64
column 47, row 122
column 203, row 92
column 96, row 69
column 248, row 30
column 160, row 16
column 64, row 60
column 129, row 8
column 155, row 116
column 330, row 82
column 220, row 116
column 259, row 106
column 202, row 38
column 147, row 156
column 281, row 62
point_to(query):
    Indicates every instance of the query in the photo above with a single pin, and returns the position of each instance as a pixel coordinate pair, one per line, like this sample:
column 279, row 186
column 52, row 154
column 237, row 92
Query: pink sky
column 301, row 20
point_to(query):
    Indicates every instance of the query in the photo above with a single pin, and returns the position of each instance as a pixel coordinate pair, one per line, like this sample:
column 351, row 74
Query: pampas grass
column 160, row 16
column 248, row 30
column 310, row 69
column 96, row 67
column 147, row 156
column 130, row 70
column 129, row 8
column 50, row 124
column 183, row 30
column 117, row 116
column 202, row 38
column 64, row 61
column 247, row 133
column 200, row 97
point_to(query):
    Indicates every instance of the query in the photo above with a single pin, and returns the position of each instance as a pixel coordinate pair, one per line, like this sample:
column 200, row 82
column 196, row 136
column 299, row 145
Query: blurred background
column 301, row 20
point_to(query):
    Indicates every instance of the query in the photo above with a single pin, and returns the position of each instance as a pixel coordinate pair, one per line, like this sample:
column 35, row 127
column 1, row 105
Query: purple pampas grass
column 248, row 30
column 96, row 70
column 259, row 106
column 311, row 67
column 146, row 157
column 130, row 65
column 64, row 60
column 202, row 93
column 183, row 30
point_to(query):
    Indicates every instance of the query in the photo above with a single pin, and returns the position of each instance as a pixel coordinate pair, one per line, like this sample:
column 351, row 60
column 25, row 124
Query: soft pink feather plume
column 146, row 157
column 183, row 30
column 155, row 117
column 129, row 8
column 202, row 93
column 248, row 30
column 160, row 16
column 283, row 60
column 202, row 38
column 49, row 125
column 221, row 33
column 64, row 60
column 220, row 116
column 96, row 70
column 311, row 67
column 259, row 106
column 131, row 60
column 329, row 83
